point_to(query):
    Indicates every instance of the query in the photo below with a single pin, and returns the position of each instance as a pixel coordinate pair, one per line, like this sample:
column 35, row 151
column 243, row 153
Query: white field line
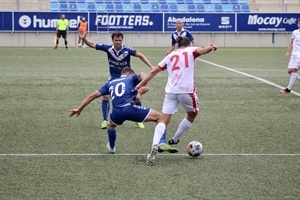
column 135, row 154
column 261, row 70
column 248, row 75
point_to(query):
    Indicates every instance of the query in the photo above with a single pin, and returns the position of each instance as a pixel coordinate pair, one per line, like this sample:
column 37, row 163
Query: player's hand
column 138, row 97
column 213, row 47
column 143, row 90
column 74, row 112
column 287, row 54
column 81, row 34
column 168, row 52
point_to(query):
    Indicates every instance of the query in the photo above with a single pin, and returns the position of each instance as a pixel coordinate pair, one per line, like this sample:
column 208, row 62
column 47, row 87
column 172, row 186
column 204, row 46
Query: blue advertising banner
column 204, row 22
column 152, row 22
column 126, row 22
column 6, row 21
column 267, row 22
column 44, row 21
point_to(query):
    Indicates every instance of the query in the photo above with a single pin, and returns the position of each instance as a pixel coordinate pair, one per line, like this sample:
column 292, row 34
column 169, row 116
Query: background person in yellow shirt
column 62, row 30
column 82, row 27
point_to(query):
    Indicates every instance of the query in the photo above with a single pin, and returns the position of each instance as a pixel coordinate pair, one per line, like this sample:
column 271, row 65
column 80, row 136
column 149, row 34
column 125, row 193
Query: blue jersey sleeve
column 190, row 36
column 130, row 50
column 102, row 47
column 104, row 90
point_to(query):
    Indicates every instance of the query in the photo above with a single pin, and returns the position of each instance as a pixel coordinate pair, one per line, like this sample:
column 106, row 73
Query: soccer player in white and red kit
column 180, row 89
column 294, row 63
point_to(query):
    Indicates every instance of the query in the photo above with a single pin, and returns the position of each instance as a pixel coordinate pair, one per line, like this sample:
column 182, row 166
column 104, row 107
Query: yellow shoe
column 168, row 148
column 104, row 124
column 140, row 125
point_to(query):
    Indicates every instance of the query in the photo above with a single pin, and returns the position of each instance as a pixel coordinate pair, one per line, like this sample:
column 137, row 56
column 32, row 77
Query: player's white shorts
column 189, row 102
column 294, row 62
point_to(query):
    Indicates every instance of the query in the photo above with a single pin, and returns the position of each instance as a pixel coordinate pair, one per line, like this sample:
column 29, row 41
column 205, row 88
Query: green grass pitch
column 249, row 131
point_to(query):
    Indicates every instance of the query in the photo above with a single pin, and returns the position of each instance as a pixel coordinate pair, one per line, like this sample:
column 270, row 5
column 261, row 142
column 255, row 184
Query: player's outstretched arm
column 84, row 103
column 89, row 43
column 144, row 59
column 148, row 77
column 82, row 35
column 206, row 50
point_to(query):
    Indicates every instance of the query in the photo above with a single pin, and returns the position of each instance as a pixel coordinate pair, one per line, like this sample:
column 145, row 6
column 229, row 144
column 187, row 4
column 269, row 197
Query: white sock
column 182, row 128
column 292, row 80
column 298, row 77
column 158, row 133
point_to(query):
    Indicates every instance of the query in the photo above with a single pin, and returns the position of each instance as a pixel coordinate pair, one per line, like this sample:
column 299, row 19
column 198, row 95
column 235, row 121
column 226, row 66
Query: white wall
column 150, row 39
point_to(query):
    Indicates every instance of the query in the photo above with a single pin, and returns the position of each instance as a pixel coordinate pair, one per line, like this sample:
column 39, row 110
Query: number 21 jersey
column 181, row 69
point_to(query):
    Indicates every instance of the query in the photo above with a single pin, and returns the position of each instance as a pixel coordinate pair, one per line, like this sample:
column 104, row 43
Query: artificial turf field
column 250, row 132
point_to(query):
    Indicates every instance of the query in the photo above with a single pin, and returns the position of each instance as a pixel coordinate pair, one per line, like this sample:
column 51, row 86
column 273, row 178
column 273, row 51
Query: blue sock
column 139, row 103
column 163, row 138
column 112, row 135
column 105, row 109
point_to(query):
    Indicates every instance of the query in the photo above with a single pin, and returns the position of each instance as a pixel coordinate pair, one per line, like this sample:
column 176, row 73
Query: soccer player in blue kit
column 123, row 95
column 118, row 56
column 180, row 31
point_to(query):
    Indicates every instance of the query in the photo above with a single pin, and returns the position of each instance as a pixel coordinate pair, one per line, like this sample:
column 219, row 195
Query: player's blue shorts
column 130, row 112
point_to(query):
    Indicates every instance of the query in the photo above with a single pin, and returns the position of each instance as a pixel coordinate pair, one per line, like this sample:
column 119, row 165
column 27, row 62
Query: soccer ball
column 194, row 148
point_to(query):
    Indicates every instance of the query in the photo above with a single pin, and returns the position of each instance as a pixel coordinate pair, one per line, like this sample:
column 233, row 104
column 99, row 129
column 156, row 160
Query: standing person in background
column 62, row 30
column 180, row 31
column 118, row 56
column 180, row 89
column 294, row 63
column 82, row 26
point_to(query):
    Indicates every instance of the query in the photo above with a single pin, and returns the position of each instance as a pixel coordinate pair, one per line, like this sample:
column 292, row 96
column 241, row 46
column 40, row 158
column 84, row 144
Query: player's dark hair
column 298, row 19
column 127, row 70
column 116, row 34
column 183, row 41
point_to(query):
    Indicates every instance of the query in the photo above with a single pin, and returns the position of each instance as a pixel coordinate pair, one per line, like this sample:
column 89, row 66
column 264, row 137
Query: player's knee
column 292, row 70
column 165, row 119
column 158, row 117
column 191, row 116
column 111, row 126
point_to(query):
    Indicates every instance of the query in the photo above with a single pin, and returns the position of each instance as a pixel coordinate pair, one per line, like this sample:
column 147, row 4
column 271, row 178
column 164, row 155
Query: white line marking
column 249, row 75
column 135, row 154
column 260, row 70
